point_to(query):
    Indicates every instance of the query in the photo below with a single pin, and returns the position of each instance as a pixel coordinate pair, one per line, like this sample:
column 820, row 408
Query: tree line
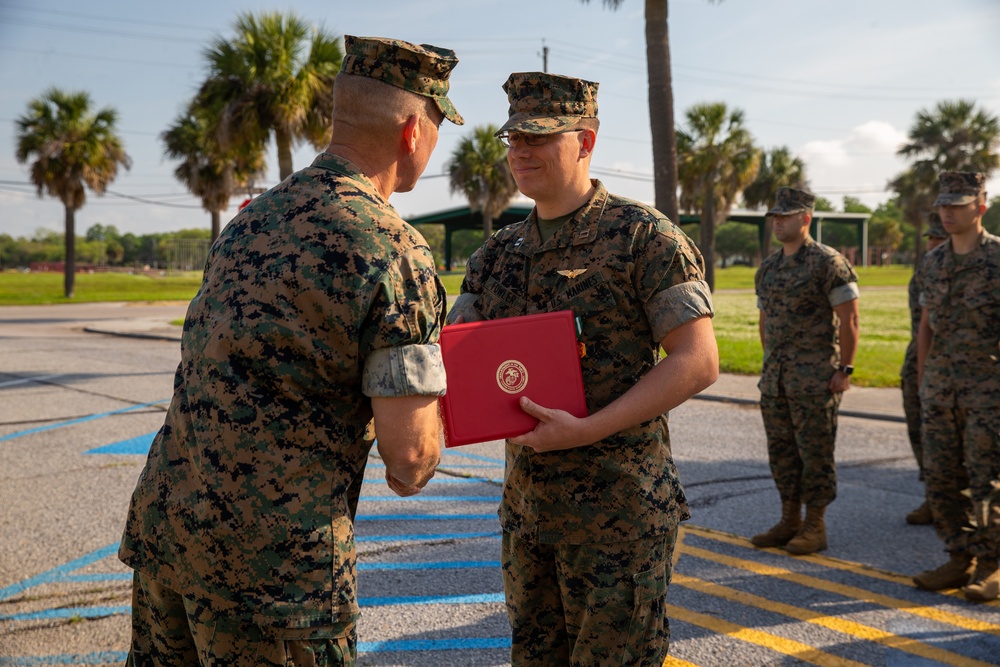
column 274, row 77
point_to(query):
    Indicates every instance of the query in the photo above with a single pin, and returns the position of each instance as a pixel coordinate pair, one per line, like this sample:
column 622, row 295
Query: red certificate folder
column 491, row 364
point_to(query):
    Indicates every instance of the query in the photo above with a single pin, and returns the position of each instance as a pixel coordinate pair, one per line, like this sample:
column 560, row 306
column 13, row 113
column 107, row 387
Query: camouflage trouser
column 169, row 630
column 962, row 466
column 911, row 408
column 588, row 604
column 801, row 432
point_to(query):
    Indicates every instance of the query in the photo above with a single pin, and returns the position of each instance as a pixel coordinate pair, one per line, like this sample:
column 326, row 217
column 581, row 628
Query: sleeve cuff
column 678, row 305
column 410, row 370
column 843, row 294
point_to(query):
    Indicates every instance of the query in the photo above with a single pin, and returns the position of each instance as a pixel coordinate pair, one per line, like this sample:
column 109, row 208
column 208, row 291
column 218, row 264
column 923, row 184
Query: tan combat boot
column 952, row 574
column 812, row 536
column 984, row 584
column 785, row 529
column 920, row 516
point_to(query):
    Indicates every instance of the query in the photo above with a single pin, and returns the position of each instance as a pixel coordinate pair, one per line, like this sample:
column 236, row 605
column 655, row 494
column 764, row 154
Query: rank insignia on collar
column 518, row 242
column 571, row 273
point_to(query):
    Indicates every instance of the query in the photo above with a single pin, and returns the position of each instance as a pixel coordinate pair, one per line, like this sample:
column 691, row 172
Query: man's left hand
column 840, row 382
column 557, row 429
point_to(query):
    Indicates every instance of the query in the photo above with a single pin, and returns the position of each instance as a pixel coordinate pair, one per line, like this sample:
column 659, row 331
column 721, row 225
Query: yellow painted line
column 775, row 643
column 857, row 630
column 826, row 561
column 847, row 591
column 677, row 662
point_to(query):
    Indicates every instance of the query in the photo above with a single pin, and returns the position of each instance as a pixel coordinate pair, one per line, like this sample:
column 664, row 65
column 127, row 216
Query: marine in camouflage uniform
column 908, row 373
column 808, row 303
column 959, row 355
column 320, row 307
column 589, row 531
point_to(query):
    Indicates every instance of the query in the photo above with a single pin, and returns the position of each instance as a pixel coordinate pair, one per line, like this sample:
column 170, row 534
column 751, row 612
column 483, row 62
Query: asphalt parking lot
column 78, row 409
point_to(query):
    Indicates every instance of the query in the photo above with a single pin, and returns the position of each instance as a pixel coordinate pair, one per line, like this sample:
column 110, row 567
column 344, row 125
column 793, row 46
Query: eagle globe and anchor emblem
column 512, row 376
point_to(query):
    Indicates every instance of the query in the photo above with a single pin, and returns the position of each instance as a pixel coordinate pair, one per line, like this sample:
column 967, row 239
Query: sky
column 839, row 82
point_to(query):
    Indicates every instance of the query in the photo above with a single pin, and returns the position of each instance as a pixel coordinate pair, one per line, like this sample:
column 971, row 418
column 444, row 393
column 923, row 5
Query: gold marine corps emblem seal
column 512, row 376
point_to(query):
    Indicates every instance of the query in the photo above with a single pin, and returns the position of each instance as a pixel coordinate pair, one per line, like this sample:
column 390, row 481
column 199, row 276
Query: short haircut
column 372, row 105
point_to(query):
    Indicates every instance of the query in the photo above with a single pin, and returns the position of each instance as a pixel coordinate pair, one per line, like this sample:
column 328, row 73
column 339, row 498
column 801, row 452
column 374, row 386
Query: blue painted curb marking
column 137, row 445
column 49, row 427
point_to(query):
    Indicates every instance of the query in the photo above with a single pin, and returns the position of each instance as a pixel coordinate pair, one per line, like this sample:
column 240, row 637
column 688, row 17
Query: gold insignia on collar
column 571, row 273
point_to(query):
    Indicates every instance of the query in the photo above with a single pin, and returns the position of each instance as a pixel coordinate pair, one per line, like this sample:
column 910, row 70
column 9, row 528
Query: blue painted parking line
column 137, row 445
column 101, row 658
column 425, row 537
column 476, row 457
column 68, row 612
column 427, row 517
column 79, row 420
column 58, row 573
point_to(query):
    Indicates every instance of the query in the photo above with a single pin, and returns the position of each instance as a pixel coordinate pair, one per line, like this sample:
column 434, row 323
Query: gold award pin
column 571, row 273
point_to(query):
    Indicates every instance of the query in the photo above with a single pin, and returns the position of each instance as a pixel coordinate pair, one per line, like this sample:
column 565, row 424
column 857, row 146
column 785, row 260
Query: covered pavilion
column 463, row 217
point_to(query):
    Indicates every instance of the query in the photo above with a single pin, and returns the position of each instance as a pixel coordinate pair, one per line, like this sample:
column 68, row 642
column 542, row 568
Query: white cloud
column 858, row 164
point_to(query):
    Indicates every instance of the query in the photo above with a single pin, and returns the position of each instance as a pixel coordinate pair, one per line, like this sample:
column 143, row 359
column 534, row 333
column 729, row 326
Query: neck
column 792, row 247
column 566, row 202
column 966, row 242
column 380, row 171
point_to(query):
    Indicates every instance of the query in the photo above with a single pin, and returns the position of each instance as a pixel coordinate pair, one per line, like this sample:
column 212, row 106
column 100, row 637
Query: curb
column 133, row 334
column 845, row 413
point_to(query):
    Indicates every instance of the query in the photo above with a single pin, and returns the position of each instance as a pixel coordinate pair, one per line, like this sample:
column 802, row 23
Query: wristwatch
column 846, row 370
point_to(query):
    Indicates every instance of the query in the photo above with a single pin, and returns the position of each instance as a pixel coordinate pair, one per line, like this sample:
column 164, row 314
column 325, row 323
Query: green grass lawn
column 25, row 289
column 885, row 318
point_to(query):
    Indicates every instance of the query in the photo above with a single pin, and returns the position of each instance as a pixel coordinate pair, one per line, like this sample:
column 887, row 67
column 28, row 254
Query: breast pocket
column 498, row 301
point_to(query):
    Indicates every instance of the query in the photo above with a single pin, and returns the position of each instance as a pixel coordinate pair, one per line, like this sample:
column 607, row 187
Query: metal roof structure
column 463, row 217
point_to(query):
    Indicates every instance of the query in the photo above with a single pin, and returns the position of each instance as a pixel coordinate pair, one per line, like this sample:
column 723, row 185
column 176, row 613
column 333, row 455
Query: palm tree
column 206, row 170
column 955, row 136
column 478, row 169
column 661, row 103
column 276, row 75
column 778, row 168
column 716, row 160
column 72, row 146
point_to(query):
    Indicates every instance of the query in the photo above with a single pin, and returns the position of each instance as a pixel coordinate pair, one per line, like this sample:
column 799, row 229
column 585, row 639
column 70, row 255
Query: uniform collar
column 973, row 260
column 581, row 229
column 799, row 255
column 347, row 169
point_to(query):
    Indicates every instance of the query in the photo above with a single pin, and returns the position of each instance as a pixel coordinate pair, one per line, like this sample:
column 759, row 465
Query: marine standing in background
column 807, row 294
column 591, row 506
column 319, row 311
column 908, row 374
column 958, row 355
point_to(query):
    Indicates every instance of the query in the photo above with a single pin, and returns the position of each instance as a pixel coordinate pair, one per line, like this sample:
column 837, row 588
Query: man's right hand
column 399, row 488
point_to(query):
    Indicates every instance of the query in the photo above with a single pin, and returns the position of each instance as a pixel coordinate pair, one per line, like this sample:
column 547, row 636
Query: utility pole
column 545, row 57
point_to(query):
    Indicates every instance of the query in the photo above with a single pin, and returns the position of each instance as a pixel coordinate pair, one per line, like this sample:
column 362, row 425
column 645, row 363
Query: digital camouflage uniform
column 960, row 391
column 908, row 373
column 316, row 298
column 589, row 532
column 801, row 353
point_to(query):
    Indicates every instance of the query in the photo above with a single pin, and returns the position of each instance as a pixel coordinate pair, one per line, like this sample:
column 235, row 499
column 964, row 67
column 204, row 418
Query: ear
column 411, row 132
column 588, row 139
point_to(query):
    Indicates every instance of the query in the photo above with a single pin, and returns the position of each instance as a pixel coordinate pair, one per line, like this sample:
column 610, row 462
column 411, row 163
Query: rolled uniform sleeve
column 843, row 294
column 400, row 335
column 678, row 291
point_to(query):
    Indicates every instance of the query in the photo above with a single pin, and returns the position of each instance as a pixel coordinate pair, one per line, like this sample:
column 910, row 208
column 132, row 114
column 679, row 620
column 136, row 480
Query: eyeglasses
column 508, row 139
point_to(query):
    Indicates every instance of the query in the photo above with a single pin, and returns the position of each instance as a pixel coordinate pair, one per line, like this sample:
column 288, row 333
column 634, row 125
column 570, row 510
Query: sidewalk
column 865, row 402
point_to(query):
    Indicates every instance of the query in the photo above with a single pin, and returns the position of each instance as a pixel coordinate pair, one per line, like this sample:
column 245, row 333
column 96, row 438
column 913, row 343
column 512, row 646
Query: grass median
column 885, row 319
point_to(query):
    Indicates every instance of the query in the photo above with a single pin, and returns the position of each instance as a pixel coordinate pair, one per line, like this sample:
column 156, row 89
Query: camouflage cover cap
column 959, row 187
column 934, row 227
column 543, row 103
column 790, row 200
column 422, row 69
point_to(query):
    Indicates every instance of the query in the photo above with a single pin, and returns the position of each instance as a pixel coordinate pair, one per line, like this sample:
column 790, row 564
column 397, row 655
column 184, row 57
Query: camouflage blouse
column 631, row 277
column 315, row 298
column 801, row 330
column 962, row 299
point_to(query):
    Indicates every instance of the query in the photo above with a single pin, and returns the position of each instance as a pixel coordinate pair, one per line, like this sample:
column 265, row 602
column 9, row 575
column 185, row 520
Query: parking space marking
column 80, row 420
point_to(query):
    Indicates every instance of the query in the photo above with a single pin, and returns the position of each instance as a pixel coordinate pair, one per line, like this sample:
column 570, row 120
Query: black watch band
column 846, row 370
